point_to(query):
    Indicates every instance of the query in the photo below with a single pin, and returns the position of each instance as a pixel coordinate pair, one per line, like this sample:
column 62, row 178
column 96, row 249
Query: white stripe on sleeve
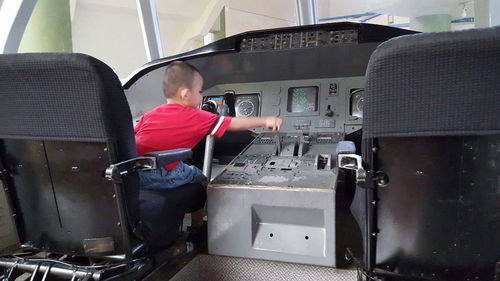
column 217, row 126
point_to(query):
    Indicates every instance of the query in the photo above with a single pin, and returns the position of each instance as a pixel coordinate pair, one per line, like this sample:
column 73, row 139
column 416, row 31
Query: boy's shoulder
column 179, row 109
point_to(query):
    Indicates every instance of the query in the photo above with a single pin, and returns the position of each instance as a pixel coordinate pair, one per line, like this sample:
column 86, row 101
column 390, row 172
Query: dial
column 357, row 101
column 359, row 105
column 245, row 108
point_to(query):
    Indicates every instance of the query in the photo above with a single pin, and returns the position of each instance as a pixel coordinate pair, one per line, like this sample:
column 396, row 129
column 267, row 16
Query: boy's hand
column 248, row 123
column 273, row 123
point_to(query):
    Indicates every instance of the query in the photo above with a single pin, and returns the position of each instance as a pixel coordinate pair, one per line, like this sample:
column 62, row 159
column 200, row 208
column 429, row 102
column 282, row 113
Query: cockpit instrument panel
column 302, row 99
column 247, row 105
column 326, row 105
column 239, row 105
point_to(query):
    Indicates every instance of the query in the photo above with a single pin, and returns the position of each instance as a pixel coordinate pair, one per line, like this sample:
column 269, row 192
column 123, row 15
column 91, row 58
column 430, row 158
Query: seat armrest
column 149, row 161
column 170, row 156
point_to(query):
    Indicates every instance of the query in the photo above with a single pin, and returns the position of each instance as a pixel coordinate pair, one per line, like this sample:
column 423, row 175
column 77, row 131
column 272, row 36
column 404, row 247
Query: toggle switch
column 329, row 112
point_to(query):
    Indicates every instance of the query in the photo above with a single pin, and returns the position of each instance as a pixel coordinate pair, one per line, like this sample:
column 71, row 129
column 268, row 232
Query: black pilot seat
column 68, row 165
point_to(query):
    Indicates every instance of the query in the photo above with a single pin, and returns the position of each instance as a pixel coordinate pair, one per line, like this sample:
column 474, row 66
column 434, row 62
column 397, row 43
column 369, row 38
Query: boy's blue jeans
column 182, row 174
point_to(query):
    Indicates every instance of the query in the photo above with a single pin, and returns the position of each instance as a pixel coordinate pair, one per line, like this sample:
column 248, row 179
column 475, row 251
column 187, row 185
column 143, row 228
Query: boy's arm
column 247, row 123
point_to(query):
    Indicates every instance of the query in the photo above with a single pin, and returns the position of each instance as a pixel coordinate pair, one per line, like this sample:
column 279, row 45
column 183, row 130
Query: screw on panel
column 381, row 179
column 374, row 149
column 114, row 195
column 119, row 224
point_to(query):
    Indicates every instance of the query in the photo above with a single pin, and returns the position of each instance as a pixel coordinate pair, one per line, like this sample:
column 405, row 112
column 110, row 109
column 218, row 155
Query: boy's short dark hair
column 178, row 74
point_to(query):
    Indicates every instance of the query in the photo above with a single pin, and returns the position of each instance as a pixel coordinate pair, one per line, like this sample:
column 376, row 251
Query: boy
column 180, row 124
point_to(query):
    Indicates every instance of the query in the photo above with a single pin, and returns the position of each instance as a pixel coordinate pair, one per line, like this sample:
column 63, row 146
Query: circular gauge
column 245, row 108
column 359, row 104
column 357, row 101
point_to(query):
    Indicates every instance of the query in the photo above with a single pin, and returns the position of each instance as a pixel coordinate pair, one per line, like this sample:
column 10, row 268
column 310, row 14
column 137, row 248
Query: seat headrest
column 434, row 84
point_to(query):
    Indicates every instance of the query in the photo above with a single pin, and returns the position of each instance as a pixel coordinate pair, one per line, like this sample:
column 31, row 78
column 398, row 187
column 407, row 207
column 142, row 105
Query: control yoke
column 210, row 106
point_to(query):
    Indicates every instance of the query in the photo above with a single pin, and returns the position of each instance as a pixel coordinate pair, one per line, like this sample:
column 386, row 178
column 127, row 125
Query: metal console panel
column 273, row 223
column 277, row 201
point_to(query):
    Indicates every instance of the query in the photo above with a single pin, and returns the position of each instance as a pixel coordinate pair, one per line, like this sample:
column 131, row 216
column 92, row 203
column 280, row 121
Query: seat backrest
column 63, row 120
column 431, row 129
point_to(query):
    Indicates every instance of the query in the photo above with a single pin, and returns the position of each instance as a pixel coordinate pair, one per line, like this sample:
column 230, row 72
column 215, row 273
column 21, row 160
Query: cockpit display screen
column 218, row 100
column 302, row 99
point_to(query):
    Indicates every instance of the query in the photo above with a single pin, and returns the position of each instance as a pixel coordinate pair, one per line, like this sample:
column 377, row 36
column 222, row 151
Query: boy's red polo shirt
column 172, row 126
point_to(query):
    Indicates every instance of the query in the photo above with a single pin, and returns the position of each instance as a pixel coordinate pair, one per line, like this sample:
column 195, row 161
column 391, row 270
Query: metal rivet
column 75, row 169
column 105, row 149
column 114, row 195
column 119, row 224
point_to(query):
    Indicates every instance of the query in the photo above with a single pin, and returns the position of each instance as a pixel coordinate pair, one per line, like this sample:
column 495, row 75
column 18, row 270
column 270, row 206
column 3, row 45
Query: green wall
column 431, row 23
column 49, row 28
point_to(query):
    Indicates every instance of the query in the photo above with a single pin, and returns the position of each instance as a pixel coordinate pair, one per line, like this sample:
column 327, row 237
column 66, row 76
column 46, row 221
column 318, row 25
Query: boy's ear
column 183, row 92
